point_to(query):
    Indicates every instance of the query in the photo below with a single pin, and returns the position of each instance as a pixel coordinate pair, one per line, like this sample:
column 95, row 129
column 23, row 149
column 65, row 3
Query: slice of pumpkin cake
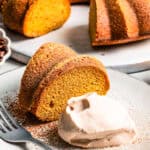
column 72, row 77
column 47, row 56
column 34, row 18
column 56, row 73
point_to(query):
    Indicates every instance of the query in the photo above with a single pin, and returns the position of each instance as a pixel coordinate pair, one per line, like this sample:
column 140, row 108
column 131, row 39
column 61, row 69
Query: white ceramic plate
column 133, row 94
column 127, row 58
column 8, row 43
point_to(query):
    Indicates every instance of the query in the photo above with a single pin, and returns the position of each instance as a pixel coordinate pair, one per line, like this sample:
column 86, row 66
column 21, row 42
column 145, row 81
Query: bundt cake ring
column 119, row 21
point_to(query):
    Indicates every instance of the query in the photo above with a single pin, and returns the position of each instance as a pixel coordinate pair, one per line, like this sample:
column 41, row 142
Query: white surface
column 133, row 94
column 128, row 58
column 144, row 76
column 9, row 65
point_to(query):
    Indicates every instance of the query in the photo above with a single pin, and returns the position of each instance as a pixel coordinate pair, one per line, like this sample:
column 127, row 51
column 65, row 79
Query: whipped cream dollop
column 92, row 121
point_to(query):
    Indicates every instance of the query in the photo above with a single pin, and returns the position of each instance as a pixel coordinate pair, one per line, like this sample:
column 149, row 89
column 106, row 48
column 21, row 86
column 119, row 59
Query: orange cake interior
column 73, row 77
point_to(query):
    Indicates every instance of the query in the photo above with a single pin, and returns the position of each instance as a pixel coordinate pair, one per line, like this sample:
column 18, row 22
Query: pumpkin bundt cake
column 35, row 17
column 54, row 76
column 119, row 21
column 43, row 60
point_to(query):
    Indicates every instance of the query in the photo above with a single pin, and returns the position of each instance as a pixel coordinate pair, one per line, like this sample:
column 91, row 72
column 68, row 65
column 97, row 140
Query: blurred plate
column 134, row 95
column 7, row 44
column 129, row 58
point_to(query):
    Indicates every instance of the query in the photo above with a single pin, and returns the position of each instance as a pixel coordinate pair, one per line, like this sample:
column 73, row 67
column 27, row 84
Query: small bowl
column 7, row 46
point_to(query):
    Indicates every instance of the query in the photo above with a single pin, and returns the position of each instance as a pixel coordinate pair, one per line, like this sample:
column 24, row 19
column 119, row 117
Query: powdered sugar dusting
column 47, row 132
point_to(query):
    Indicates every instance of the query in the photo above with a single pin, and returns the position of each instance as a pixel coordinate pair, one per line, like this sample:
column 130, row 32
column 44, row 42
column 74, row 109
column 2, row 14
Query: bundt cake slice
column 35, row 17
column 72, row 77
column 42, row 62
column 119, row 21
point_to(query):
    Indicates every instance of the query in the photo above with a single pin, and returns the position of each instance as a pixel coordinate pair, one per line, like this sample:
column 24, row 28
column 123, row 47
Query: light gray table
column 11, row 65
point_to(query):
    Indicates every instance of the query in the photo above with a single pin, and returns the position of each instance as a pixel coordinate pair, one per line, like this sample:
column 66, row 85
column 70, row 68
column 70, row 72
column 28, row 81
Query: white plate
column 8, row 43
column 133, row 94
column 127, row 58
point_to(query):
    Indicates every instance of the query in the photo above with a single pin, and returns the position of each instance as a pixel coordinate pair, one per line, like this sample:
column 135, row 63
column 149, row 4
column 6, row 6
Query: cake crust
column 13, row 12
